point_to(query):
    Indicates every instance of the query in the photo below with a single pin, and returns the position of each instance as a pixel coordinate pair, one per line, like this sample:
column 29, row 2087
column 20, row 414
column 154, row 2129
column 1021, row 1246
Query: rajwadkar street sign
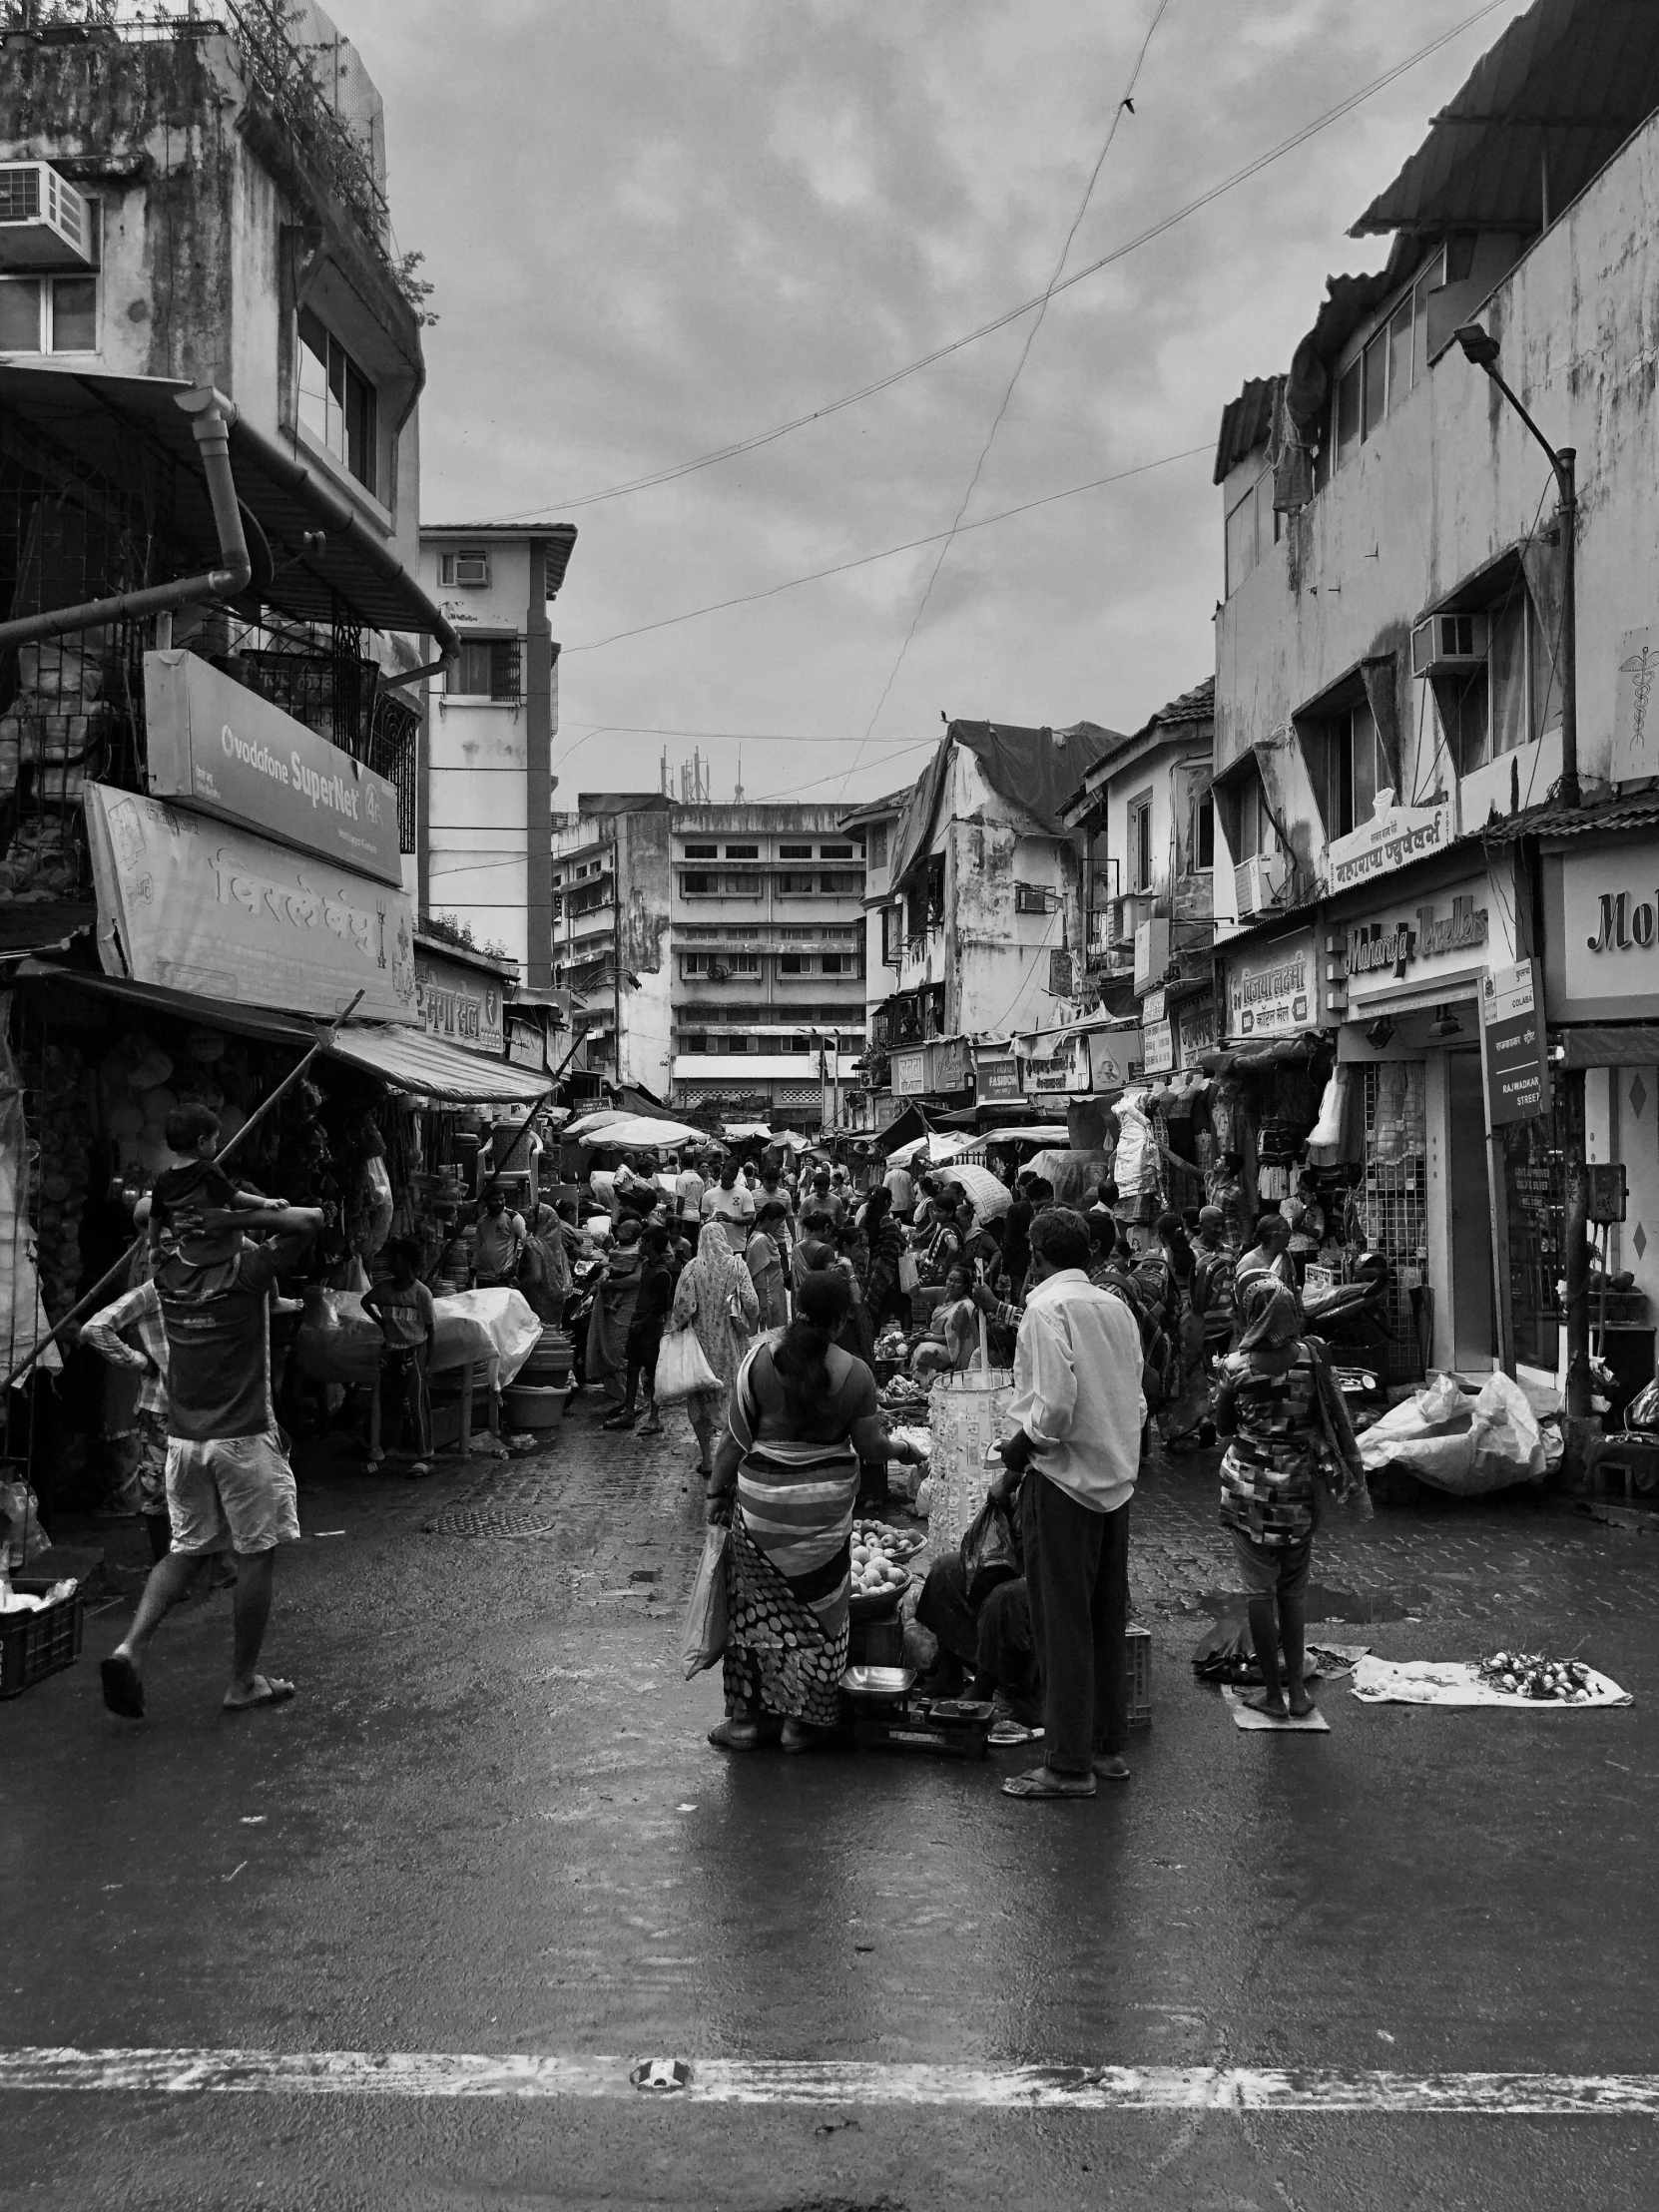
column 1513, row 1045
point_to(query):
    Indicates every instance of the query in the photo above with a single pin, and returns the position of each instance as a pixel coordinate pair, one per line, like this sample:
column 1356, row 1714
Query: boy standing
column 407, row 1319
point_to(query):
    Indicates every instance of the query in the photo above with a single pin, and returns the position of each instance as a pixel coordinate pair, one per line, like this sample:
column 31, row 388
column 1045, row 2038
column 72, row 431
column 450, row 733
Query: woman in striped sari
column 786, row 1478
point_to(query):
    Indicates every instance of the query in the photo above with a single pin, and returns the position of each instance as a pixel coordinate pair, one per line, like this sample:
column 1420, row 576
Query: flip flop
column 1043, row 1781
column 267, row 1690
column 1007, row 1732
column 123, row 1687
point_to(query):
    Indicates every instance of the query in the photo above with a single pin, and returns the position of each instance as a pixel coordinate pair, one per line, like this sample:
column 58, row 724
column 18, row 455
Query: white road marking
column 441, row 2075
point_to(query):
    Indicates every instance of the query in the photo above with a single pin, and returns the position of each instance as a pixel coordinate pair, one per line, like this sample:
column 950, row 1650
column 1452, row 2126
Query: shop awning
column 152, row 999
column 610, row 1131
column 1607, row 1046
column 409, row 1060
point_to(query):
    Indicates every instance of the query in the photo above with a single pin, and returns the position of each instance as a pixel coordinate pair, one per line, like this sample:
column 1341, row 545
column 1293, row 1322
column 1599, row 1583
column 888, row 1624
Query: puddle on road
column 1360, row 1607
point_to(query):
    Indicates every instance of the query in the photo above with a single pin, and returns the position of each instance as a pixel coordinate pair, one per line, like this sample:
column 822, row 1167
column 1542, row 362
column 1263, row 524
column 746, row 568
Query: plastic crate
column 34, row 1645
column 1140, row 1677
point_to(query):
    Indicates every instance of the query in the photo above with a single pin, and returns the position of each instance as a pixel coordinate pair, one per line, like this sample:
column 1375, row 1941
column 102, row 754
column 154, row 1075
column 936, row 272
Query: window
column 1252, row 526
column 468, row 568
column 335, row 403
column 1206, row 840
column 1140, row 843
column 841, row 882
column 49, row 314
column 879, row 845
column 835, row 853
column 1373, row 384
column 1351, row 770
column 694, row 1041
column 1348, row 414
column 892, row 936
column 701, row 852
column 796, row 886
column 793, row 963
column 1512, row 698
column 1255, row 831
column 1392, row 360
column 742, row 853
column 837, row 963
column 698, row 885
column 795, row 851
column 485, row 667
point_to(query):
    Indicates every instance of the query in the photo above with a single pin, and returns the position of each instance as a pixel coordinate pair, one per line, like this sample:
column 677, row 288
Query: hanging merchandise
column 21, row 1312
column 1135, row 1165
column 1330, row 1137
column 1399, row 1125
column 1226, row 1114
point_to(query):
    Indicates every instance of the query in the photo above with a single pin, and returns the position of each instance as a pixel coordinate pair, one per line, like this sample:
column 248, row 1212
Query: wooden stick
column 125, row 1262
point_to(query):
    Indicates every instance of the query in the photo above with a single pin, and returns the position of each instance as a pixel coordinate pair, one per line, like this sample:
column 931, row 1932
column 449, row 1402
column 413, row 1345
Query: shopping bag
column 682, row 1369
column 704, row 1640
column 909, row 1273
column 990, row 1551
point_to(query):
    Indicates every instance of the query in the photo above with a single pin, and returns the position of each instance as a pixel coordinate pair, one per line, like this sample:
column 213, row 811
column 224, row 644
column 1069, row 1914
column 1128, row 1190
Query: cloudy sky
column 657, row 227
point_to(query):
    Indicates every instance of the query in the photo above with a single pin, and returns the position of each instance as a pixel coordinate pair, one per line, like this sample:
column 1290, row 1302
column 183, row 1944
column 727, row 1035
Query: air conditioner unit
column 1450, row 645
column 44, row 221
column 1258, row 882
column 466, row 568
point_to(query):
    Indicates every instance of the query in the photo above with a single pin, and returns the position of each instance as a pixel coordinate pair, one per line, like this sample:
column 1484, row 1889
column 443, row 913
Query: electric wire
column 1250, row 169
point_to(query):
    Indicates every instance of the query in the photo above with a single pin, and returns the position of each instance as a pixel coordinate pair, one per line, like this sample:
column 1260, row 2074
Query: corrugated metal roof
column 1561, row 91
column 1245, row 423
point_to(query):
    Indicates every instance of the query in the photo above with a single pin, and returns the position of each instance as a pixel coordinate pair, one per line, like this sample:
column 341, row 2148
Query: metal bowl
column 879, row 1682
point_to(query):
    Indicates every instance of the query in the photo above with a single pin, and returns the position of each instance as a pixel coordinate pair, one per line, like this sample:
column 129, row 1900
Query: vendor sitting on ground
column 987, row 1648
column 953, row 1340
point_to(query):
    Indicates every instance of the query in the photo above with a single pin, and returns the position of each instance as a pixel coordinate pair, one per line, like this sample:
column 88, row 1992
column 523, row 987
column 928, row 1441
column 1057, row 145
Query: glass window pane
column 1240, row 542
column 1206, row 832
column 75, row 314
column 1547, row 674
column 313, row 377
column 1375, row 362
column 20, row 316
column 1366, row 771
column 1348, row 414
column 1399, row 354
column 1508, row 675
column 360, row 428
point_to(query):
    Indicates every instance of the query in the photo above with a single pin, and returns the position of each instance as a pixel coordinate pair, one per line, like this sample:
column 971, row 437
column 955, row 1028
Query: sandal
column 1043, row 1781
column 739, row 1735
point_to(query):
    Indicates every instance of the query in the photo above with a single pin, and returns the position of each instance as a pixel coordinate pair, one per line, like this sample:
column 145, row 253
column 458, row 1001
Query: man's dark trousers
column 1077, row 1573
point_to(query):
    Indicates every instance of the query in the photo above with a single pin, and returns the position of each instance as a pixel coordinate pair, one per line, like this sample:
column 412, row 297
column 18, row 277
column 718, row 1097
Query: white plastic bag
column 703, row 1637
column 1508, row 1444
column 1459, row 1441
column 681, row 1368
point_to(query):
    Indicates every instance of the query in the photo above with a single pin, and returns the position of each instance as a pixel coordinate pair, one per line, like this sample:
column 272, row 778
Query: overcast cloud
column 656, row 229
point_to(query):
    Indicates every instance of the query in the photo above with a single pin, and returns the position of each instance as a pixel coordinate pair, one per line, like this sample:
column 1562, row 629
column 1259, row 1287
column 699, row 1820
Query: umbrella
column 989, row 1193
column 636, row 1133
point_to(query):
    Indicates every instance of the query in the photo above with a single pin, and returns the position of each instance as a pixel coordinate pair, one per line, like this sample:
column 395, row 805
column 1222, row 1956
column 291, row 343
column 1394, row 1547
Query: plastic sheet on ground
column 1459, row 1439
column 339, row 1343
column 1454, row 1682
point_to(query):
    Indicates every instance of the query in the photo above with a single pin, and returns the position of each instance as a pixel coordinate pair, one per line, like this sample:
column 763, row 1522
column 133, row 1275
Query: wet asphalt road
column 490, row 1824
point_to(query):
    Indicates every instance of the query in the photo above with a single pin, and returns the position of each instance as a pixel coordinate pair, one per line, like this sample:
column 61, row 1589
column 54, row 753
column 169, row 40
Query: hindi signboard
column 908, row 1071
column 192, row 904
column 1157, row 1048
column 1273, row 989
column 1389, row 842
column 1513, row 1045
column 460, row 1006
column 220, row 749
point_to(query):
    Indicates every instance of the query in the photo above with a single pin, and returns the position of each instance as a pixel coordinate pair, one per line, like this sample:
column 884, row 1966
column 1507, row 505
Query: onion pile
column 1535, row 1675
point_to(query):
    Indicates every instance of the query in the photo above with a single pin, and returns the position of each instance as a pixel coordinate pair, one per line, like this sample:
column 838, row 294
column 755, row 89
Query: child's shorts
column 1273, row 1570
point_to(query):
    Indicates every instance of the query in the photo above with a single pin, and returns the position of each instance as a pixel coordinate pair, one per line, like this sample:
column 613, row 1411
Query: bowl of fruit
column 879, row 1581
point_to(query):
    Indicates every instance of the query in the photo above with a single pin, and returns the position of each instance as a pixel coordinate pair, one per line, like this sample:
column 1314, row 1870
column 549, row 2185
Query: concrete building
column 1388, row 733
column 486, row 818
column 1147, row 811
column 714, row 954
column 982, row 913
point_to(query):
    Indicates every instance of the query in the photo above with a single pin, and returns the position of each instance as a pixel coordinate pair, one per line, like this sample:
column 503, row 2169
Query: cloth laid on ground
column 1459, row 1438
column 1454, row 1682
column 337, row 1342
column 1226, row 1653
column 1254, row 1723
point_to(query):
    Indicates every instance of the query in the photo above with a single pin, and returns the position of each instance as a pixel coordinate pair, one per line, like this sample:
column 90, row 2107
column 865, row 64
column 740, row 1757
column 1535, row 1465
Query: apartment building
column 714, row 954
column 485, row 846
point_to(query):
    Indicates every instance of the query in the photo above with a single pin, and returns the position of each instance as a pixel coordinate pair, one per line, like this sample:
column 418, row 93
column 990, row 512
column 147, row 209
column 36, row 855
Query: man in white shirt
column 688, row 1189
column 902, row 1191
column 1075, row 1436
column 729, row 1203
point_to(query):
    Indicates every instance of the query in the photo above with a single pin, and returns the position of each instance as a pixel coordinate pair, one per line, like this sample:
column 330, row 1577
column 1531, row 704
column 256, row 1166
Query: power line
column 1000, row 322
column 879, row 760
column 887, row 553
column 1125, row 106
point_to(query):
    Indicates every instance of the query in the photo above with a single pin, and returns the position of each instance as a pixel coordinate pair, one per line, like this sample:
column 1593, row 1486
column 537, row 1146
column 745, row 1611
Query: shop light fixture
column 1445, row 1023
column 1381, row 1030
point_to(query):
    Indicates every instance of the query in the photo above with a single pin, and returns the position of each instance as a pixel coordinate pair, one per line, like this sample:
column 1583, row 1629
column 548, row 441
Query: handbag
column 704, row 1638
column 681, row 1368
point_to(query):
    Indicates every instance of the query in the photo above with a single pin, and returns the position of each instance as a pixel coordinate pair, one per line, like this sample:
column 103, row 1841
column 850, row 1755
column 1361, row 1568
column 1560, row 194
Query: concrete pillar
column 538, row 776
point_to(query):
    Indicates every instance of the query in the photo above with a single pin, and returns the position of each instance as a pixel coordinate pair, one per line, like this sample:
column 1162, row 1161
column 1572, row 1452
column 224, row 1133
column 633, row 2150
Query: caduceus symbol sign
column 1643, row 666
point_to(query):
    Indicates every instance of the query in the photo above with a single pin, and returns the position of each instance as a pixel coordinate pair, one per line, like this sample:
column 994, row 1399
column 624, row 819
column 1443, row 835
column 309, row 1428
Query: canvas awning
column 409, row 1060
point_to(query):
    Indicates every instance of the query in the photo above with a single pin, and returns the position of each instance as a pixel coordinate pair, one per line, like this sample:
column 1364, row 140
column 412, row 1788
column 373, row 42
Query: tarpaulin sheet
column 409, row 1060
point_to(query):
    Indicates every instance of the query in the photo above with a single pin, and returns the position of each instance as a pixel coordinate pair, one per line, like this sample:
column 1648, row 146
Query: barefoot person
column 229, row 1483
column 1276, row 1399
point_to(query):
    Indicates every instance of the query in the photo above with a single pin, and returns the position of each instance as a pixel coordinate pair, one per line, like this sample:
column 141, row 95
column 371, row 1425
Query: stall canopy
column 409, row 1060
column 989, row 1193
column 633, row 1132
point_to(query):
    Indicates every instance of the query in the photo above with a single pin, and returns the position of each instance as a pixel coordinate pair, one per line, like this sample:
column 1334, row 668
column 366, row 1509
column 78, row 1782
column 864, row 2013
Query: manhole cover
column 470, row 1520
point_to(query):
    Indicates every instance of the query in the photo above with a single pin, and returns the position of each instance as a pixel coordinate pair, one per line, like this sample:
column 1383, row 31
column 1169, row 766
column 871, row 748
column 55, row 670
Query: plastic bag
column 1643, row 1409
column 20, row 1524
column 704, row 1638
column 990, row 1551
column 909, row 1273
column 1459, row 1441
column 682, row 1369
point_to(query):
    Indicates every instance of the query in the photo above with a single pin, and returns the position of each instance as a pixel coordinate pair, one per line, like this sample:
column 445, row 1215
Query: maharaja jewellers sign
column 1400, row 949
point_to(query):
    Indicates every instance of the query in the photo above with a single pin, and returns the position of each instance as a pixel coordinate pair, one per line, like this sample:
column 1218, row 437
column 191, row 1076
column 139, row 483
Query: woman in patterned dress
column 1279, row 1406
column 715, row 1297
column 786, row 1480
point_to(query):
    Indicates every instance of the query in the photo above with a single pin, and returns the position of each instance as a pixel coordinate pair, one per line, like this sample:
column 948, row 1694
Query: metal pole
column 1567, row 478
column 223, row 1153
column 1577, row 1255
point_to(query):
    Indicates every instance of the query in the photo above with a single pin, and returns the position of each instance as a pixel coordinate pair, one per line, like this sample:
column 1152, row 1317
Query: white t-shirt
column 735, row 1208
column 689, row 1187
column 900, row 1182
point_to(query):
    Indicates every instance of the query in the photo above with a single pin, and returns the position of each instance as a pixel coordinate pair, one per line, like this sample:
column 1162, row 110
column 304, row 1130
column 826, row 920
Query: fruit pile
column 894, row 1543
column 1533, row 1674
column 875, row 1571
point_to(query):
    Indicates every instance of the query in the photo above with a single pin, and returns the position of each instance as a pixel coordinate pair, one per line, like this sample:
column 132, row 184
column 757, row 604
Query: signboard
column 1317, row 1281
column 1114, row 1058
column 1157, row 1048
column 1388, row 842
column 527, row 1040
column 947, row 1066
column 1445, row 936
column 910, row 1073
column 460, row 1006
column 1601, row 936
column 220, row 749
column 1273, row 989
column 996, row 1078
column 1151, row 951
column 1635, row 710
column 1513, row 1047
column 192, row 905
column 1197, row 1030
column 1154, row 1007
column 1065, row 1070
column 1060, row 976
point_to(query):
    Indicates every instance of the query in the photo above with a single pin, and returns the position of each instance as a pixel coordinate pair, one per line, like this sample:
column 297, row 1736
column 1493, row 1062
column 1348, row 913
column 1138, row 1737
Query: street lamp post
column 1481, row 349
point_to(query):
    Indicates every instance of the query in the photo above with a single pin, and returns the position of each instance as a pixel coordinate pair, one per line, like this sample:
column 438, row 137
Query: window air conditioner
column 44, row 221
column 1450, row 645
column 466, row 568
column 1258, row 882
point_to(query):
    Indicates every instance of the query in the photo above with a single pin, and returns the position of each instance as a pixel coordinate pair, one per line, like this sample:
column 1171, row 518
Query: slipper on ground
column 123, row 1687
column 1043, row 1781
column 267, row 1690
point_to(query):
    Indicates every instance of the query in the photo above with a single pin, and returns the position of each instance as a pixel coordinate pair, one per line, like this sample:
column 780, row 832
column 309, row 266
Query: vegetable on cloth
column 1456, row 1682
